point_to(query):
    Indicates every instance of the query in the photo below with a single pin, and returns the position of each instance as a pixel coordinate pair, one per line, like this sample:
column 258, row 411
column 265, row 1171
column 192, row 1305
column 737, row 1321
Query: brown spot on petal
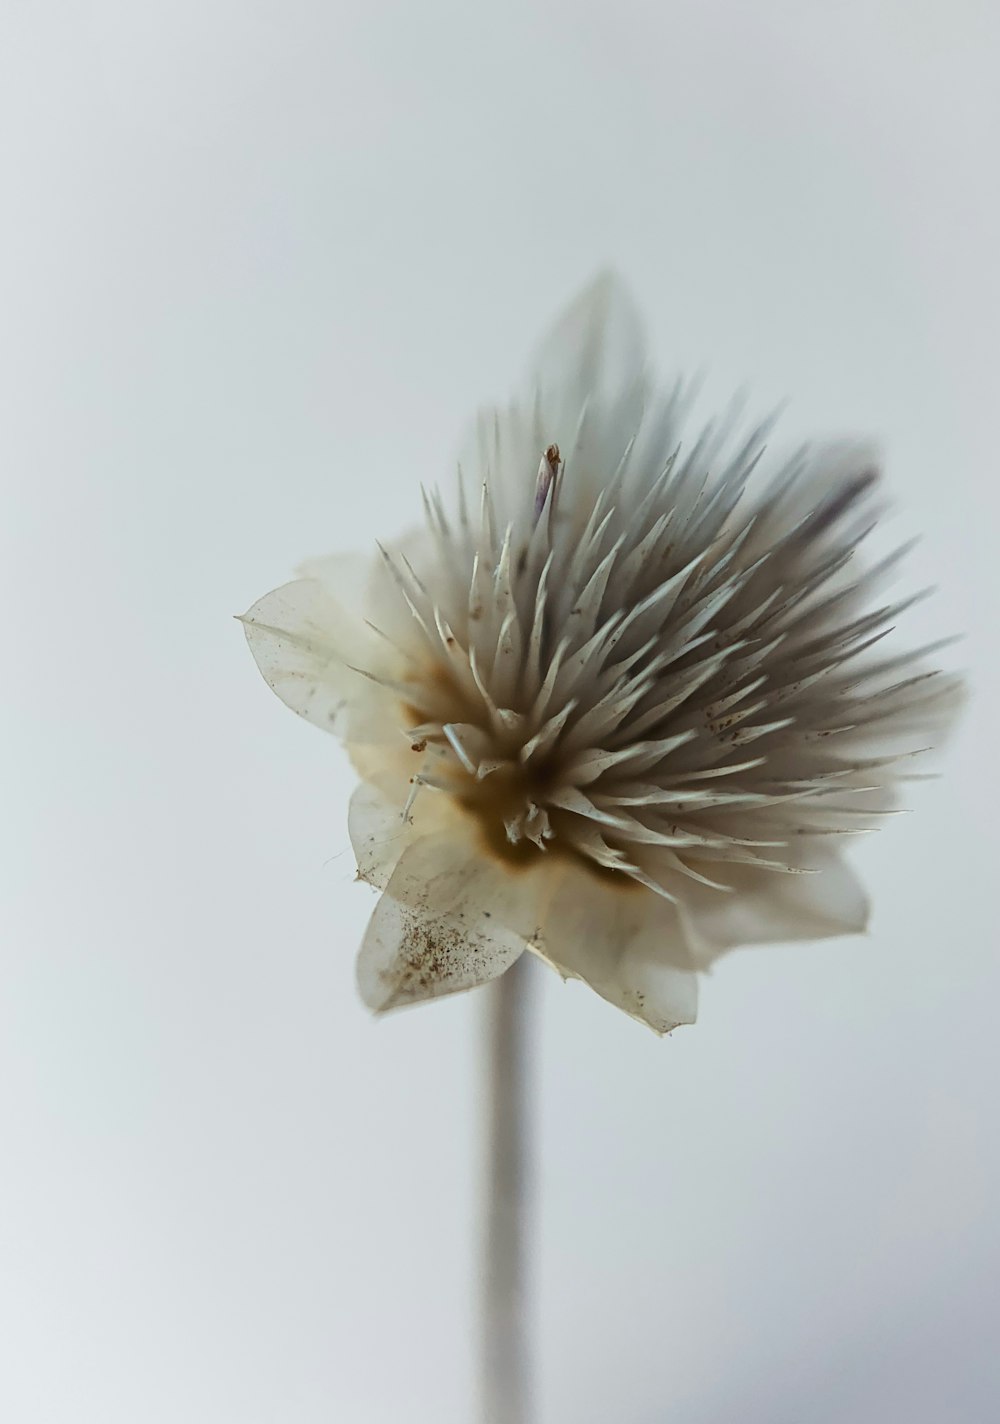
column 431, row 952
column 436, row 957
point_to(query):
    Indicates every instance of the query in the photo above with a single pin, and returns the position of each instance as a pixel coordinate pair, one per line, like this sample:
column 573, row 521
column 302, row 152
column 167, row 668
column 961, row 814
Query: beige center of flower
column 654, row 684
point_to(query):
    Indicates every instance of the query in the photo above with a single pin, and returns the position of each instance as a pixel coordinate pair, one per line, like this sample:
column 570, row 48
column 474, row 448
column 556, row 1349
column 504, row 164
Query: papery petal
column 379, row 833
column 307, row 648
column 381, row 830
column 596, row 347
column 449, row 919
column 626, row 944
column 587, row 392
column 345, row 576
column 364, row 590
column 591, row 382
column 769, row 907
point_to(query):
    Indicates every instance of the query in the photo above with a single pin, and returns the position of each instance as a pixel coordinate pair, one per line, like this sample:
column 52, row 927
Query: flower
column 623, row 710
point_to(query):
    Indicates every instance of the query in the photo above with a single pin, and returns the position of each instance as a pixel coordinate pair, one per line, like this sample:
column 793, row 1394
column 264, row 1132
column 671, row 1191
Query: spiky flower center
column 645, row 679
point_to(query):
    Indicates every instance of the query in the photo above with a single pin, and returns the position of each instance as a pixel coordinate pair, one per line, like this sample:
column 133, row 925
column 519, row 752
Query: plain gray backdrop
column 259, row 264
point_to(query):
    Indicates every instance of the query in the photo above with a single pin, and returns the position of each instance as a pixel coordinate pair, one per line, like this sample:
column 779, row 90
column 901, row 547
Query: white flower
column 620, row 712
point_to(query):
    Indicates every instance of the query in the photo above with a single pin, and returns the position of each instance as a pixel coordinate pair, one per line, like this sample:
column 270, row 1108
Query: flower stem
column 504, row 1344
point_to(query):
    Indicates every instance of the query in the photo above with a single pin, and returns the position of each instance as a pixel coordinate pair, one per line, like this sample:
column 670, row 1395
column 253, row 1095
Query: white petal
column 446, row 922
column 768, row 907
column 587, row 392
column 307, row 645
column 593, row 387
column 380, row 832
column 344, row 576
column 365, row 592
column 596, row 348
column 626, row 944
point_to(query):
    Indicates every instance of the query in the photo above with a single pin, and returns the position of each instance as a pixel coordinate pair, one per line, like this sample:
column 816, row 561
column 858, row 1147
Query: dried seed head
column 638, row 667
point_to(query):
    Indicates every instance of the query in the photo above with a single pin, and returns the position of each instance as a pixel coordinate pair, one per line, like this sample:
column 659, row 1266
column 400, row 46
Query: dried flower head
column 621, row 707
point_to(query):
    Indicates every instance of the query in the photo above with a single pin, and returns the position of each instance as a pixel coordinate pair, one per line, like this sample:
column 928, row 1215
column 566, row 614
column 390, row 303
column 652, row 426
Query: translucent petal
column 627, row 944
column 345, row 577
column 596, row 347
column 769, row 907
column 307, row 647
column 446, row 922
column 593, row 386
column 587, row 393
column 360, row 585
column 380, row 831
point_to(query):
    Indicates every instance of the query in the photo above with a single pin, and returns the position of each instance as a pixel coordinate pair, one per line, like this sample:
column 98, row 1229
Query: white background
column 260, row 261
